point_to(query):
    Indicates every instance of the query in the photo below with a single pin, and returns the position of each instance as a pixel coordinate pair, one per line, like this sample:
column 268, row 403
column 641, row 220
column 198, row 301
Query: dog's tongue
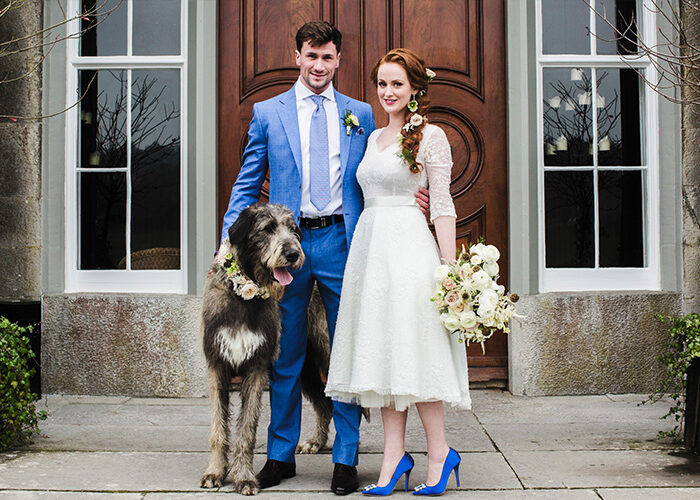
column 282, row 275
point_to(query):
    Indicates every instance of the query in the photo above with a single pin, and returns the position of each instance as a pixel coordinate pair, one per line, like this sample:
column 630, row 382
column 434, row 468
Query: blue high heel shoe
column 452, row 462
column 405, row 466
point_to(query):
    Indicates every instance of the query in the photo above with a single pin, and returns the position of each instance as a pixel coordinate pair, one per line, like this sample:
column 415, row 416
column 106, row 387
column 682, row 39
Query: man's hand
column 423, row 200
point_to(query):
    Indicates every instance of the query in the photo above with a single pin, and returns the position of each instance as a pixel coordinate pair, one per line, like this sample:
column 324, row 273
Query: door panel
column 461, row 40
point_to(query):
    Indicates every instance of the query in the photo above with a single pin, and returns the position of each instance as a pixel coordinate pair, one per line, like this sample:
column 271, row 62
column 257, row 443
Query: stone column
column 690, row 15
column 20, row 157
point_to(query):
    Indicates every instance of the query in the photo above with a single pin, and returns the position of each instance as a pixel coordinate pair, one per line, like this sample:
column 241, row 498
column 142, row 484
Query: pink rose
column 452, row 298
column 448, row 283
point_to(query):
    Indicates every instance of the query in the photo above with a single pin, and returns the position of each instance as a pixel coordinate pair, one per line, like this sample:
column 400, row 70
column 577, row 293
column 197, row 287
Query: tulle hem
column 374, row 399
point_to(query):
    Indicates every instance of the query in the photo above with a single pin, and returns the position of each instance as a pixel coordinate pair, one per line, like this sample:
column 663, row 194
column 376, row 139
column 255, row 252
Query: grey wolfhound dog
column 241, row 338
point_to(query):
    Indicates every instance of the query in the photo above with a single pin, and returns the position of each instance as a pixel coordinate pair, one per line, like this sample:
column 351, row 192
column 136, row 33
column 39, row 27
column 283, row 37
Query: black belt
column 320, row 222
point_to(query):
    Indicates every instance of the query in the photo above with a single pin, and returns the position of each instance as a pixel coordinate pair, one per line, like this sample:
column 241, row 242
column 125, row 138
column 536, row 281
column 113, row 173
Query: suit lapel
column 290, row 122
column 343, row 104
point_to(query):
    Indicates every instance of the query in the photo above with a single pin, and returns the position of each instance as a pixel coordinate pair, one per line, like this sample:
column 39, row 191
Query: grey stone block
column 589, row 343
column 649, row 493
column 114, row 345
column 604, row 469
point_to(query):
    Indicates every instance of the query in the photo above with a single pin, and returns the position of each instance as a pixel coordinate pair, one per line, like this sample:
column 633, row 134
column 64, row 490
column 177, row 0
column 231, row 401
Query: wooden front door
column 461, row 40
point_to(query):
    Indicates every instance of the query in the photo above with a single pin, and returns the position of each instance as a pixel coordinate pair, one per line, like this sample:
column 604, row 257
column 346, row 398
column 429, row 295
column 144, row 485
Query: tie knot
column 318, row 100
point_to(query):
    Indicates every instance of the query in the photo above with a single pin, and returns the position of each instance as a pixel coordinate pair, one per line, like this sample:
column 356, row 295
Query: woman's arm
column 446, row 236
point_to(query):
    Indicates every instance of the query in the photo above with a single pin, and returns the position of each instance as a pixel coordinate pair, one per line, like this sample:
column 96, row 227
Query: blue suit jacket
column 274, row 144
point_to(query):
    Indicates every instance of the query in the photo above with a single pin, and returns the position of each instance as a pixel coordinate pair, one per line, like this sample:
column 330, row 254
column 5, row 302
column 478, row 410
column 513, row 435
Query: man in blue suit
column 302, row 138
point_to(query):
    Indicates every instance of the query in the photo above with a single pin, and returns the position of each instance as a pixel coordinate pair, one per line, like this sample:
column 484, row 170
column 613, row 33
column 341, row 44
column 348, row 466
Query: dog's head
column 267, row 241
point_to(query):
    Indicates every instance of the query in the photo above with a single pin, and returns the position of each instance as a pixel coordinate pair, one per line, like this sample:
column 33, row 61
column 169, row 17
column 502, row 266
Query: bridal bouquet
column 472, row 304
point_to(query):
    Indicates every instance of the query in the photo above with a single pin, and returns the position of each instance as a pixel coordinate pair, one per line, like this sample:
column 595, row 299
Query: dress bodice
column 384, row 173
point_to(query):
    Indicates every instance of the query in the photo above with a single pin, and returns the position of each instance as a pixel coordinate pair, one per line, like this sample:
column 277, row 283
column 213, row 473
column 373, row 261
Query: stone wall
column 20, row 159
column 691, row 172
column 146, row 345
column 589, row 343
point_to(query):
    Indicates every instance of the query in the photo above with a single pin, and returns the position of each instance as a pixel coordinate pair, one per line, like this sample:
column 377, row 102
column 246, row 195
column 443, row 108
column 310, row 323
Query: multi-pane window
column 596, row 131
column 126, row 180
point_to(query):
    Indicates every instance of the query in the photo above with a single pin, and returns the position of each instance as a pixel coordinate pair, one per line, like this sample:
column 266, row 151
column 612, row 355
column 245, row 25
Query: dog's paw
column 212, row 480
column 309, row 446
column 246, row 487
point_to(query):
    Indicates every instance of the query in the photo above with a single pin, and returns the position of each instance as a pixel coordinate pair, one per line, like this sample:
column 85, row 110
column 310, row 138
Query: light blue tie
column 319, row 175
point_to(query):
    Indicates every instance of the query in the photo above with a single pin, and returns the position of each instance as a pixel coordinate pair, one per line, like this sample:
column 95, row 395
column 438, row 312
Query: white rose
column 467, row 319
column 499, row 289
column 476, row 259
column 248, row 291
column 441, row 273
column 485, row 312
column 491, row 253
column 488, row 298
column 465, row 271
column 450, row 321
column 491, row 268
column 481, row 280
column 354, row 120
column 477, row 249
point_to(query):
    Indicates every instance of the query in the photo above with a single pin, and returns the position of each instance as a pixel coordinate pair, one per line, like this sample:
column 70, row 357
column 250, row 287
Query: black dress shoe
column 344, row 479
column 274, row 471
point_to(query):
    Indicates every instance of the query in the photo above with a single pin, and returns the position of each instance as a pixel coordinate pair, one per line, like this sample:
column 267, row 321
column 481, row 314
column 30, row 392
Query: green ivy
column 19, row 420
column 683, row 346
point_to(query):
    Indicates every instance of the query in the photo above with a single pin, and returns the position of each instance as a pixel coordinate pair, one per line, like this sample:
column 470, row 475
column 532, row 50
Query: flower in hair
column 416, row 120
column 430, row 74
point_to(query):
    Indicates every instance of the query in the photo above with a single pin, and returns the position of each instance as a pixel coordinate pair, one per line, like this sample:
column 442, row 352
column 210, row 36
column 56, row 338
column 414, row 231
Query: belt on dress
column 391, row 201
column 320, row 222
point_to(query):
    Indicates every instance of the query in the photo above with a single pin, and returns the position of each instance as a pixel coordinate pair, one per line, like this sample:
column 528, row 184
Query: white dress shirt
column 305, row 108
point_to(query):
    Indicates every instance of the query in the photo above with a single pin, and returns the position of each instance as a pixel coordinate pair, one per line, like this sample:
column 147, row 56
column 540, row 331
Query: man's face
column 317, row 65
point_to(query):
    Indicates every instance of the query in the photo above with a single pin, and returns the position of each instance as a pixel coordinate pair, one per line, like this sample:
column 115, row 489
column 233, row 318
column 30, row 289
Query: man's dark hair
column 318, row 33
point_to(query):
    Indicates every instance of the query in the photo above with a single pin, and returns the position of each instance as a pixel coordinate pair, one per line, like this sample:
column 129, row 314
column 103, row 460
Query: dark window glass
column 565, row 27
column 156, row 27
column 102, row 215
column 621, row 218
column 155, row 169
column 612, row 16
column 102, row 119
column 104, row 28
column 619, row 124
column 569, row 219
column 568, row 117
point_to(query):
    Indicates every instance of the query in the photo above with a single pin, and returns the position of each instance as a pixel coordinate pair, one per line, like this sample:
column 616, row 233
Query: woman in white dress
column 390, row 349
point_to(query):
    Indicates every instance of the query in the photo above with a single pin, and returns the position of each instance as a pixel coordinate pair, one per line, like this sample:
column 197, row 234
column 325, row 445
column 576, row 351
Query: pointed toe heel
column 452, row 462
column 405, row 466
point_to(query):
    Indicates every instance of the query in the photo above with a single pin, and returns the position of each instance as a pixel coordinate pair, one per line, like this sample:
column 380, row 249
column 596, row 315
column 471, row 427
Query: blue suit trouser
column 326, row 253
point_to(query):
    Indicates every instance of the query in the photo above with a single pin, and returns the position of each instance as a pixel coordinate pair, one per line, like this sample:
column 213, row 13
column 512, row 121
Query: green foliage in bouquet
column 18, row 417
column 683, row 346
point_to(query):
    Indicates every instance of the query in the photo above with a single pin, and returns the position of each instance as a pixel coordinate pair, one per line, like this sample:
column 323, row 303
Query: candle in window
column 549, row 149
column 562, row 144
column 576, row 74
column 95, row 158
column 601, row 101
column 569, row 104
column 604, row 144
column 555, row 102
column 584, row 98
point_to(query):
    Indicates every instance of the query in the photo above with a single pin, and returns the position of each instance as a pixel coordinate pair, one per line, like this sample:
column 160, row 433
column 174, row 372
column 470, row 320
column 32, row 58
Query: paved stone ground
column 569, row 448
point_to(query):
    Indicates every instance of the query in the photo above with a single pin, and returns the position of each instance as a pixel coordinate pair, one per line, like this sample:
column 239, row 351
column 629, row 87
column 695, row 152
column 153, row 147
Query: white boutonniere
column 350, row 121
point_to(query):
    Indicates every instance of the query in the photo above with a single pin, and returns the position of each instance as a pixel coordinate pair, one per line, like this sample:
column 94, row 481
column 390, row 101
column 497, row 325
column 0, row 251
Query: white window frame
column 117, row 280
column 583, row 279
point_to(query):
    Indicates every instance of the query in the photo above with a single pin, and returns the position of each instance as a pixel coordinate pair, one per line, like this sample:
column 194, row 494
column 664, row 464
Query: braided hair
column 418, row 78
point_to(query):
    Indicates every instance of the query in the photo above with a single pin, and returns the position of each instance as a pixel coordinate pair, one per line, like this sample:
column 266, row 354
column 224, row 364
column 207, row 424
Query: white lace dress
column 389, row 344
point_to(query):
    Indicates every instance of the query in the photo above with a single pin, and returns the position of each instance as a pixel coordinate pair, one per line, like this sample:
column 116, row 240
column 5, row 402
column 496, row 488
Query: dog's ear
column 240, row 229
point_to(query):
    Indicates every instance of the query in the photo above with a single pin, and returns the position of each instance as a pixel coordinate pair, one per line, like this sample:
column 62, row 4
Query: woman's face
column 393, row 89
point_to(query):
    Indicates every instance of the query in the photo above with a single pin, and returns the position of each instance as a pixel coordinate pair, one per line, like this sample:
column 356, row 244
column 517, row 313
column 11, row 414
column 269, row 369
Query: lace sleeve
column 438, row 164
